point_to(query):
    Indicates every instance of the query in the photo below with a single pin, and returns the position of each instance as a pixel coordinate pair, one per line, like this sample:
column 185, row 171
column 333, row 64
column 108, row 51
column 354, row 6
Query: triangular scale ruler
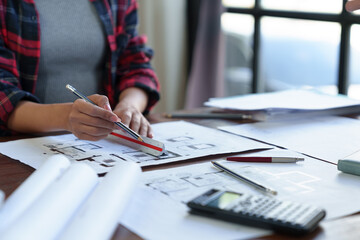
column 149, row 145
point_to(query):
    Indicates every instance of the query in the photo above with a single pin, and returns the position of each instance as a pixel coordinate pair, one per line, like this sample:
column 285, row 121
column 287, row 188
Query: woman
column 92, row 45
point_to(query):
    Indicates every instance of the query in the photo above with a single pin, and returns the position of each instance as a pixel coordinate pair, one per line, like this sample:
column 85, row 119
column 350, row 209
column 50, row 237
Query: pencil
column 238, row 176
column 209, row 115
column 120, row 124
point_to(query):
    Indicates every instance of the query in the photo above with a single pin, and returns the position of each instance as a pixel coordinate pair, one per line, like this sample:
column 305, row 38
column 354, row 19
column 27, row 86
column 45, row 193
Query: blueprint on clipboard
column 183, row 140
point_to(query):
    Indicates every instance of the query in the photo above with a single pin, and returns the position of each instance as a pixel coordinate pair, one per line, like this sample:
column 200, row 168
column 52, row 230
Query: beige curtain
column 164, row 22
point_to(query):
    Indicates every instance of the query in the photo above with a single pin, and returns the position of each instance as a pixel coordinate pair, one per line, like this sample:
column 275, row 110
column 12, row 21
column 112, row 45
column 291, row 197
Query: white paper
column 294, row 99
column 31, row 189
column 49, row 213
column 327, row 138
column 153, row 215
column 98, row 216
column 164, row 215
column 344, row 228
column 183, row 141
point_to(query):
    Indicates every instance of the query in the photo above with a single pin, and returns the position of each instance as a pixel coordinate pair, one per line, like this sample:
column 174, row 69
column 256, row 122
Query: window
column 273, row 45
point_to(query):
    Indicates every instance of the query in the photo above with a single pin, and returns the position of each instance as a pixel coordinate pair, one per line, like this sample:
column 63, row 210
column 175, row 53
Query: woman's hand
column 134, row 119
column 85, row 120
column 132, row 103
column 89, row 122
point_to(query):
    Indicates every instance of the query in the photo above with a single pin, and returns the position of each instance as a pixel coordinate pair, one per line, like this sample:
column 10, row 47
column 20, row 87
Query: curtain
column 206, row 77
column 164, row 23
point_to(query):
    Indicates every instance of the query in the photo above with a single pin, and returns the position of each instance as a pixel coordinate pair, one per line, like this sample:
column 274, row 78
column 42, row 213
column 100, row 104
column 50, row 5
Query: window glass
column 322, row 6
column 298, row 53
column 239, row 3
column 354, row 63
column 238, row 30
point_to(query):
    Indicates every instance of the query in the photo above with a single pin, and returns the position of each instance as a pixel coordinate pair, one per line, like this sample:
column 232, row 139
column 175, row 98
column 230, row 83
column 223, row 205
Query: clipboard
column 149, row 145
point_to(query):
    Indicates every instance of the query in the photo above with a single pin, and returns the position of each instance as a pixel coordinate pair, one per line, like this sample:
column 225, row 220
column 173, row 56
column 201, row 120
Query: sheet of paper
column 31, row 189
column 98, row 216
column 295, row 99
column 328, row 138
column 183, row 140
column 153, row 215
column 164, row 215
column 344, row 228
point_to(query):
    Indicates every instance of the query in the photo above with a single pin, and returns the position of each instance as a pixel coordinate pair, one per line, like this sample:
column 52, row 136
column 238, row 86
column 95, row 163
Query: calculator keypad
column 273, row 210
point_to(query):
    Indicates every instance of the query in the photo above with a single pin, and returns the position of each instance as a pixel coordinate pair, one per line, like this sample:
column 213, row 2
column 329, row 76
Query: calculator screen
column 224, row 199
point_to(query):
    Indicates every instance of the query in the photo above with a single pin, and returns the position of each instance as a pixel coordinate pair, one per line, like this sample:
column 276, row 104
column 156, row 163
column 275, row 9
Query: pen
column 120, row 124
column 209, row 115
column 265, row 159
column 238, row 176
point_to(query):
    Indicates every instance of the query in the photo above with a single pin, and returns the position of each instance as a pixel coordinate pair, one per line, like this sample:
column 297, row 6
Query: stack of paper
column 287, row 104
column 58, row 196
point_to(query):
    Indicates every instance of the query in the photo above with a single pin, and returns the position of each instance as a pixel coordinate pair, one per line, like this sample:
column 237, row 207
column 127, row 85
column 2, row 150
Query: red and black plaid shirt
column 127, row 59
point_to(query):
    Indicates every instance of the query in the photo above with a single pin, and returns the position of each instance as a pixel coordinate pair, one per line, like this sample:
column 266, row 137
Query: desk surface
column 13, row 173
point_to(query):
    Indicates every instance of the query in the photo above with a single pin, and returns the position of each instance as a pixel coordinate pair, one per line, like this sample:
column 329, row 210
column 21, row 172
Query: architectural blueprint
column 164, row 214
column 183, row 140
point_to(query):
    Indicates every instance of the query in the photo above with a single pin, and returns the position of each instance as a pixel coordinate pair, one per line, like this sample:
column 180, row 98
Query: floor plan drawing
column 174, row 185
column 182, row 140
column 305, row 182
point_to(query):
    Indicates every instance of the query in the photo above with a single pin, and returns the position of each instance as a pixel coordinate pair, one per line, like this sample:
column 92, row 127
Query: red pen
column 265, row 159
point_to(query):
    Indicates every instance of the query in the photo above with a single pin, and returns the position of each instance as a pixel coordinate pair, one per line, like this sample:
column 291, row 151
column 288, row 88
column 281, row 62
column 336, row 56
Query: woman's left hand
column 134, row 119
column 132, row 102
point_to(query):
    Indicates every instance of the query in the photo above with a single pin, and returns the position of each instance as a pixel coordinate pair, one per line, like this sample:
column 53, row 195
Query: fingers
column 90, row 122
column 135, row 120
column 141, row 125
column 352, row 5
column 93, row 115
column 102, row 110
column 101, row 101
column 94, row 122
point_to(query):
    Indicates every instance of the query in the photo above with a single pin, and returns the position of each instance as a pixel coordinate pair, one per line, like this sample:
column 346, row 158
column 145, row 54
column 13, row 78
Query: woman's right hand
column 89, row 122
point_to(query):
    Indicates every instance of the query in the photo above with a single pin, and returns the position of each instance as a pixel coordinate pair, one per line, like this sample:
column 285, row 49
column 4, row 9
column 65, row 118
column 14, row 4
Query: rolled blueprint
column 47, row 216
column 31, row 189
column 98, row 217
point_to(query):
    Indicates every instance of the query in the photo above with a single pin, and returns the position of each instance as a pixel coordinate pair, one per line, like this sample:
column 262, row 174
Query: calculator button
column 290, row 212
column 278, row 208
column 312, row 211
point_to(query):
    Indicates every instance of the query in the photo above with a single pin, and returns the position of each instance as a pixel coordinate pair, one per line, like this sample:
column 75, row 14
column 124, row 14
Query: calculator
column 258, row 211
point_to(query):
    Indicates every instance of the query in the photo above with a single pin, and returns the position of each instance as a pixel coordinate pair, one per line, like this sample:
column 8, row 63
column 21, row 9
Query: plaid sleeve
column 10, row 93
column 134, row 68
column 10, row 90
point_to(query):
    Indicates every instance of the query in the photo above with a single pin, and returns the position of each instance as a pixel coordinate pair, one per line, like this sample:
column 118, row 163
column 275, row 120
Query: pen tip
column 140, row 139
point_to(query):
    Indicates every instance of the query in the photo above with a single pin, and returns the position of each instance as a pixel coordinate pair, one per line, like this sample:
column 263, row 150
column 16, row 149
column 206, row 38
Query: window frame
column 344, row 18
